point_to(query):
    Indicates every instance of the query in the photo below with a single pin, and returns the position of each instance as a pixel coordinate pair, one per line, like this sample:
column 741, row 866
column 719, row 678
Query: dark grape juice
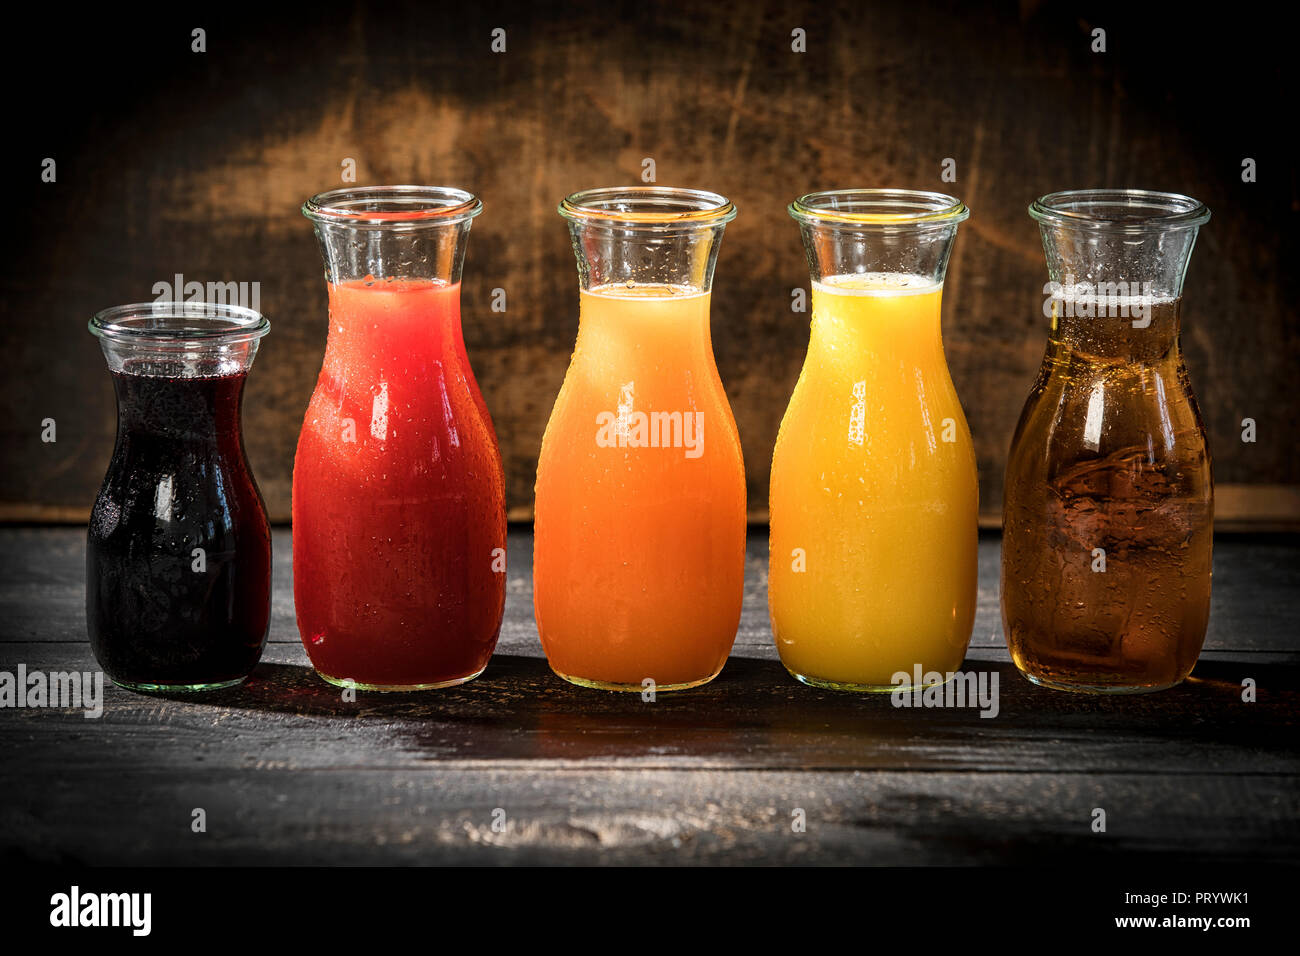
column 178, row 561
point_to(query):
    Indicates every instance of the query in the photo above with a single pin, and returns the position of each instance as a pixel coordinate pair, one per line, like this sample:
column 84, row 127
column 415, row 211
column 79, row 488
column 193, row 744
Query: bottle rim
column 881, row 209
column 165, row 324
column 653, row 208
column 393, row 207
column 1125, row 211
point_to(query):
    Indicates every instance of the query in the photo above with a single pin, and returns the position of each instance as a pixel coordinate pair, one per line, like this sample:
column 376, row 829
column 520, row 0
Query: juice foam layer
column 878, row 284
column 644, row 290
column 1115, row 301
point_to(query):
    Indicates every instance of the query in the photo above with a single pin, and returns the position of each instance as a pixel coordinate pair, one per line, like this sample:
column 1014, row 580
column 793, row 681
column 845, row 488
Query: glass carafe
column 399, row 528
column 874, row 497
column 178, row 555
column 1108, row 503
column 639, row 552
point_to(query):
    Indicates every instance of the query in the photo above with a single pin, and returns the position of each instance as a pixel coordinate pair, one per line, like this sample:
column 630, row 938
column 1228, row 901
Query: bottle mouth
column 1120, row 210
column 880, row 210
column 651, row 208
column 393, row 207
column 179, row 325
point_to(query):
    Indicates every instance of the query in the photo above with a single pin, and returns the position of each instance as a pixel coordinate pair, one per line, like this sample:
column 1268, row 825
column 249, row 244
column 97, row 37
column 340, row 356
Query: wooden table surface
column 289, row 772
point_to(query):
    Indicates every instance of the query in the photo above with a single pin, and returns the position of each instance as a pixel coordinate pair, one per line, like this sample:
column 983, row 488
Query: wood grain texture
column 653, row 817
column 42, row 592
column 289, row 771
column 176, row 162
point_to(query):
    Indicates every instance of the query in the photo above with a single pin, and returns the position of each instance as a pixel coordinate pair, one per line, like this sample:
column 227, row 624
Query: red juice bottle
column 399, row 527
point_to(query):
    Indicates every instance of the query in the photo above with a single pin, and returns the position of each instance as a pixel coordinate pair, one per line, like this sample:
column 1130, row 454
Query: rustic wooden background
column 170, row 161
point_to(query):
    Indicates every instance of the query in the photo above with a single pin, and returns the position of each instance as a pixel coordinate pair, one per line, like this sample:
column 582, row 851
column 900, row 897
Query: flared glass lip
column 393, row 207
column 879, row 209
column 1119, row 210
column 179, row 324
column 648, row 207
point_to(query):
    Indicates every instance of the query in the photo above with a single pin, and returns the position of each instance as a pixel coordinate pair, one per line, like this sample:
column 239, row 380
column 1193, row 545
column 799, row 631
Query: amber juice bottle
column 1108, row 502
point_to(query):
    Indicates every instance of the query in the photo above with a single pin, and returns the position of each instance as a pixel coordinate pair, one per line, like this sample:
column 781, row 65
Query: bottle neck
column 1084, row 263
column 401, row 251
column 681, row 258
column 666, row 325
column 393, row 325
column 196, row 409
column 877, row 323
column 1137, row 330
column 880, row 253
column 1115, row 297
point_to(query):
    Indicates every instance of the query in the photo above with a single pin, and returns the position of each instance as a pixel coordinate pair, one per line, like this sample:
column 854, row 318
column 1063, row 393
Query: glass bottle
column 399, row 528
column 874, row 498
column 639, row 550
column 178, row 553
column 1108, row 503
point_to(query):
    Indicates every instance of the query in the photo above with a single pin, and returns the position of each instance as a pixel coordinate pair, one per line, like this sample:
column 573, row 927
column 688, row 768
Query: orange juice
column 874, row 498
column 639, row 551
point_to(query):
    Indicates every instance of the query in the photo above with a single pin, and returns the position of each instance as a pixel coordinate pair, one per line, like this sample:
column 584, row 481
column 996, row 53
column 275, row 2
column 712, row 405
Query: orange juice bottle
column 639, row 548
column 874, row 500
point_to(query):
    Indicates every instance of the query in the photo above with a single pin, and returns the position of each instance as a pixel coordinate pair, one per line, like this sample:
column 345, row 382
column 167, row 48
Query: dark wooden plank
column 42, row 574
column 753, row 716
column 289, row 771
column 649, row 816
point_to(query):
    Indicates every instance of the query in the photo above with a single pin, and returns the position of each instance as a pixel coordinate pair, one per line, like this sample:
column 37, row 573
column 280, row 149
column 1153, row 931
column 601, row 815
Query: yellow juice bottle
column 874, row 497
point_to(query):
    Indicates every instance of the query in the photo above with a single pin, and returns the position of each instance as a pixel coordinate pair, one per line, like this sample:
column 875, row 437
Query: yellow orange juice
column 639, row 550
column 874, row 498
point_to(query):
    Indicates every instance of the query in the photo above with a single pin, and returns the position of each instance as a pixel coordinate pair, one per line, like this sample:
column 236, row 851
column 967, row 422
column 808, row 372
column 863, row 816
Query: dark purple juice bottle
column 178, row 558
